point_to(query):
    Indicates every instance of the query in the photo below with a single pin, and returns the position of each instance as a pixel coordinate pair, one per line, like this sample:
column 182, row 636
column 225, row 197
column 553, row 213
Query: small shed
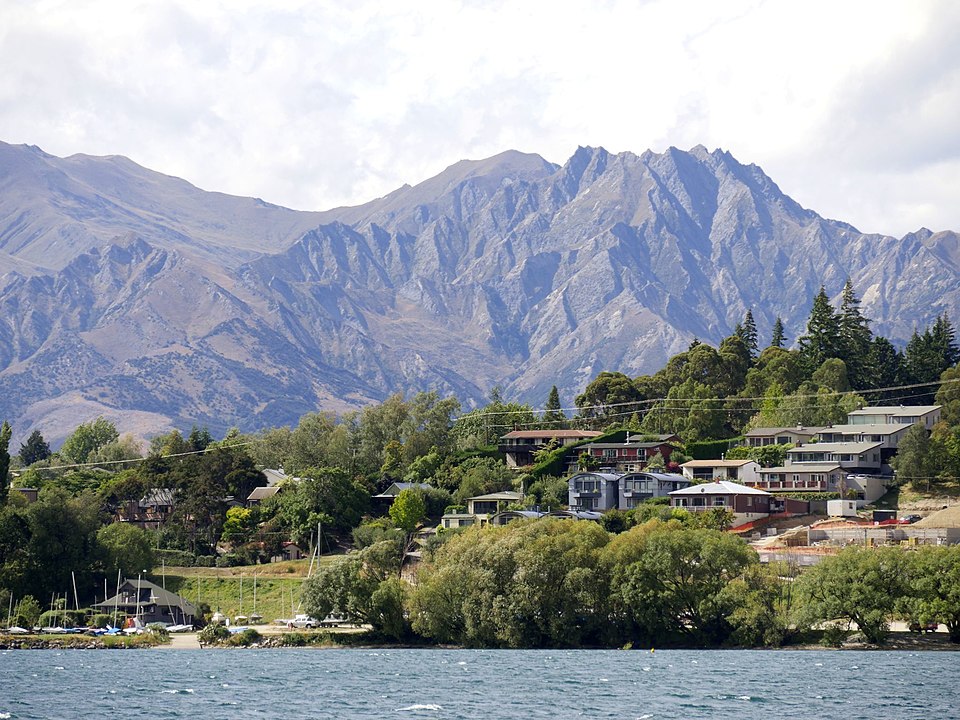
column 842, row 508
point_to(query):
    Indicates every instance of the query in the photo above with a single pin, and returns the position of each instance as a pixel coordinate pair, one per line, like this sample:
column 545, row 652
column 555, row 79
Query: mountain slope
column 140, row 297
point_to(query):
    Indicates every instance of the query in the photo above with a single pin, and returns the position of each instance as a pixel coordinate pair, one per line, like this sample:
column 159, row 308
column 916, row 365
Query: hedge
column 710, row 449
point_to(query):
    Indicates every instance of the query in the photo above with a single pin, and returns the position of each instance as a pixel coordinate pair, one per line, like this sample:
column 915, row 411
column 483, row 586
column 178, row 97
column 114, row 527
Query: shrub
column 213, row 635
column 245, row 638
column 176, row 558
column 205, row 561
column 100, row 620
column 159, row 629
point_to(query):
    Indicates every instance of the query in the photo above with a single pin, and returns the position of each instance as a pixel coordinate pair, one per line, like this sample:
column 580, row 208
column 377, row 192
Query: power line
column 479, row 412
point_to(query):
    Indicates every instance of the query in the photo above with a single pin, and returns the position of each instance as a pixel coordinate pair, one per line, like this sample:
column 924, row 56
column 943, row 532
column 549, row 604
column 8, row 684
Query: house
column 150, row 512
column 803, row 477
column 289, row 551
column 484, row 505
column 520, row 446
column 150, row 603
column 758, row 437
column 31, row 494
column 926, row 415
column 862, row 457
column 576, row 515
column 636, row 488
column 743, row 471
column 627, row 456
column 278, row 476
column 390, row 494
column 452, row 521
column 746, row 503
column 888, row 435
column 259, row 494
column 277, row 481
column 597, row 491
column 508, row 516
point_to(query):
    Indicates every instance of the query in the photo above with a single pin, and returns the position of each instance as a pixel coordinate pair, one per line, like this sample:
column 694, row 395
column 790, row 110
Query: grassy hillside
column 220, row 588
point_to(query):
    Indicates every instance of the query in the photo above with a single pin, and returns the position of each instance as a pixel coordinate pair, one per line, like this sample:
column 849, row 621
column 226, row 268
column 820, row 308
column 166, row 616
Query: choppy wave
column 420, row 708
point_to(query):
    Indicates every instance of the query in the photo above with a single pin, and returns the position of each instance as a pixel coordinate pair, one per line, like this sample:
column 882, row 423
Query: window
column 719, row 501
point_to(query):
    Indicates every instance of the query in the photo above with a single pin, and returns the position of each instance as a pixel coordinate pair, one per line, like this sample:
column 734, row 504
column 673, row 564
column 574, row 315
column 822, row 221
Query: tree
column 5, row 433
column 34, row 449
column 554, row 415
column 934, row 584
column 948, row 396
column 747, row 332
column 673, row 585
column 855, row 586
column 87, row 439
column 855, row 338
column 125, row 547
column 778, row 338
column 530, row 584
column 199, row 439
column 886, row 365
column 822, row 340
column 364, row 587
column 914, row 461
column 408, row 510
column 609, row 395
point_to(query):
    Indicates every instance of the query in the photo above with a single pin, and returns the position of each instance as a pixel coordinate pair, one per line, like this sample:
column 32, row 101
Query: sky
column 851, row 106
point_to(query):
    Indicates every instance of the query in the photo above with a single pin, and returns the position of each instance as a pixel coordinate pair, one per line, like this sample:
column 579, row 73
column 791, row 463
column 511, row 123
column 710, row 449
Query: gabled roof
column 871, row 428
column 766, row 432
column 577, row 514
column 158, row 596
column 539, row 434
column 900, row 410
column 262, row 493
column 157, row 496
column 507, row 495
column 637, row 445
column 662, row 477
column 715, row 463
column 608, row 477
column 399, row 487
column 721, row 487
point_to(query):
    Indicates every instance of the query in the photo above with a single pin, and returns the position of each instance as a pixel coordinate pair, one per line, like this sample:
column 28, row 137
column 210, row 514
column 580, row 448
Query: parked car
column 305, row 621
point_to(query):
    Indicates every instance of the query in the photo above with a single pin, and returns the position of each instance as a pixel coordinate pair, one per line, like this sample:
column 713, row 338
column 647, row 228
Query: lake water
column 493, row 684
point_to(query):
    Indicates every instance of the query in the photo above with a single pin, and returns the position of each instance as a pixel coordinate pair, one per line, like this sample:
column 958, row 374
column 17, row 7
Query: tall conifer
column 855, row 338
column 554, row 414
column 822, row 340
column 5, row 434
column 779, row 337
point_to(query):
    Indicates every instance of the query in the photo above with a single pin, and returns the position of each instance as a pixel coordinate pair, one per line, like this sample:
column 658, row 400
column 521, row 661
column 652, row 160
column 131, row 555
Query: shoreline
column 897, row 641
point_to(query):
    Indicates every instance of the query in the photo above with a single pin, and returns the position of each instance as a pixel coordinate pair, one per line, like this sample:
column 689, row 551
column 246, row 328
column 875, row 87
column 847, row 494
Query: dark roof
column 639, row 445
column 158, row 596
column 400, row 487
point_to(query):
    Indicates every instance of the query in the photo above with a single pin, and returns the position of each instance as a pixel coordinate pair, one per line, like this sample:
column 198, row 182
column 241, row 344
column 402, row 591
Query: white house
column 742, row 471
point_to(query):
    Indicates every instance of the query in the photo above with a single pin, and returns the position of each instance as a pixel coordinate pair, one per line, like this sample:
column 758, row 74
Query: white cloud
column 849, row 106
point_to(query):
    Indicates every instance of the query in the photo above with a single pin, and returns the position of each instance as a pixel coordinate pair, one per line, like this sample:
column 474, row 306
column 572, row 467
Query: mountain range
column 135, row 295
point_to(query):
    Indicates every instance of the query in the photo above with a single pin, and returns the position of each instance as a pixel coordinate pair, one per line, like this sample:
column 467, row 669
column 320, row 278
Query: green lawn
column 223, row 592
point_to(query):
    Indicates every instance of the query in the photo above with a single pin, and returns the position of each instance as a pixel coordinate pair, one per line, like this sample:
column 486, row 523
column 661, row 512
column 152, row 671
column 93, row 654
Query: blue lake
column 417, row 684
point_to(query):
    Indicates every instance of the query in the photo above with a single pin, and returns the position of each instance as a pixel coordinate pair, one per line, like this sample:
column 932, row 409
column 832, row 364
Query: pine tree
column 747, row 331
column 779, row 338
column 554, row 415
column 943, row 342
column 886, row 363
column 822, row 340
column 855, row 338
column 5, row 434
column 34, row 450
